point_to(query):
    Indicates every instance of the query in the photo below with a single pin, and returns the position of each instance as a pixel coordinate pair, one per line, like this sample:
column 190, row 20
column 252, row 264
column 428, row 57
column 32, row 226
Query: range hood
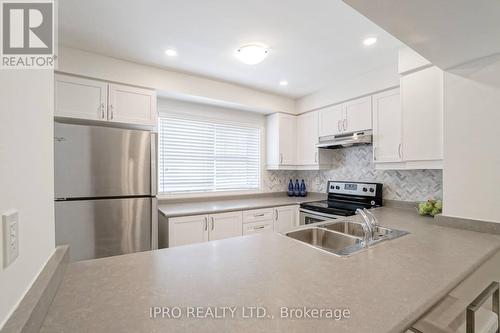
column 345, row 140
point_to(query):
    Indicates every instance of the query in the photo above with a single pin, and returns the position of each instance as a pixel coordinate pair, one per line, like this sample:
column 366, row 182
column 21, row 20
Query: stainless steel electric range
column 343, row 200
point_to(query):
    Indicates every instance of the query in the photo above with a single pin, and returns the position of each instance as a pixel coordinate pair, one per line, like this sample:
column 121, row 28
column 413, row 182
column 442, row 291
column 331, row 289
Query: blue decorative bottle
column 296, row 189
column 303, row 190
column 290, row 188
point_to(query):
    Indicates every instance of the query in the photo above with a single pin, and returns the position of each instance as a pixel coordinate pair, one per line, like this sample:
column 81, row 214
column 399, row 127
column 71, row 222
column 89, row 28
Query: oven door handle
column 329, row 216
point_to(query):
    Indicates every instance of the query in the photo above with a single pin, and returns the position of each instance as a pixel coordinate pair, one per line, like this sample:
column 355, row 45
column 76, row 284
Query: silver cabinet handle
column 338, row 125
column 277, row 214
column 345, row 124
column 259, row 227
column 111, row 113
column 374, row 153
column 206, row 223
column 491, row 291
column 102, row 111
column 316, row 157
column 258, row 215
column 213, row 224
column 399, row 151
column 281, row 158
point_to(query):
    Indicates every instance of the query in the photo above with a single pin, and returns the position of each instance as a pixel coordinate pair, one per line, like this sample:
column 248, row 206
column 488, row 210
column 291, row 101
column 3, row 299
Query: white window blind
column 202, row 156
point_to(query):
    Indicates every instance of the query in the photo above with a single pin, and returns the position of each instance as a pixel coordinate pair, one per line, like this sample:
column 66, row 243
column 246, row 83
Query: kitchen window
column 207, row 156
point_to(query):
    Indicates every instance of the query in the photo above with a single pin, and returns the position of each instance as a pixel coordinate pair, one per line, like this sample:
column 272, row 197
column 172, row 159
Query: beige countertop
column 385, row 288
column 204, row 206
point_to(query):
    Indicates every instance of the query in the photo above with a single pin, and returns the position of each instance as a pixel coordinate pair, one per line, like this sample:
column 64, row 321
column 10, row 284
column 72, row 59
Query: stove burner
column 345, row 197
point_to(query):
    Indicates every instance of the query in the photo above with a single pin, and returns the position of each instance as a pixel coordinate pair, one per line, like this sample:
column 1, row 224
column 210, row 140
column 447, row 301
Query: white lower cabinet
column 201, row 228
column 285, row 218
column 187, row 230
column 225, row 225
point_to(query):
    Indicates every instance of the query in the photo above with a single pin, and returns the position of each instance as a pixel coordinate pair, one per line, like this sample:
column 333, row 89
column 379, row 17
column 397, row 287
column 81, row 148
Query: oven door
column 310, row 216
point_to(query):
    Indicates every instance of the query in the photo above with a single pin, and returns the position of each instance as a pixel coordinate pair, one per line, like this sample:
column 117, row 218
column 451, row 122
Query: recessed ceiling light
column 252, row 54
column 171, row 53
column 370, row 41
column 283, row 83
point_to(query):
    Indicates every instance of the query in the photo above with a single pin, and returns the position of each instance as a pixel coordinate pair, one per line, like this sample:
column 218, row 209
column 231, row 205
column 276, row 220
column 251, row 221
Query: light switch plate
column 10, row 231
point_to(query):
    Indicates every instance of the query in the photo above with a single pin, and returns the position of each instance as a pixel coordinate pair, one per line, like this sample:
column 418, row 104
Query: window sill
column 208, row 195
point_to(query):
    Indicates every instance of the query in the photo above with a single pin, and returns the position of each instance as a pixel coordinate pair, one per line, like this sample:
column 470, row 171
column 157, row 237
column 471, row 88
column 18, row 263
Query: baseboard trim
column 30, row 314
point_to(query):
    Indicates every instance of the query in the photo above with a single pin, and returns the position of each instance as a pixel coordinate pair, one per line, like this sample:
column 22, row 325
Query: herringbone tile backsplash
column 355, row 164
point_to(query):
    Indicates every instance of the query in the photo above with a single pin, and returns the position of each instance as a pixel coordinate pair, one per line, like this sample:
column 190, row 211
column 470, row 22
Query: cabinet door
column 422, row 105
column 284, row 218
column 132, row 105
column 358, row 115
column 330, row 120
column 80, row 98
column 307, row 138
column 187, row 230
column 225, row 225
column 287, row 139
column 387, row 126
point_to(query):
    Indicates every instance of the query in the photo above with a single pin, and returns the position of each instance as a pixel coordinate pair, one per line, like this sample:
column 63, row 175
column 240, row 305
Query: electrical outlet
column 10, row 233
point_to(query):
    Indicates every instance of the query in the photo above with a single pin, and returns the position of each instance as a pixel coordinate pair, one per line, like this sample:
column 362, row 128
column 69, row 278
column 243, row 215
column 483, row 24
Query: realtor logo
column 27, row 34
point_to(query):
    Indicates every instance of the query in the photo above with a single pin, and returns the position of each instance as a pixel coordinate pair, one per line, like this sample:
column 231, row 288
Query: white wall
column 166, row 106
column 26, row 176
column 170, row 83
column 368, row 83
column 471, row 177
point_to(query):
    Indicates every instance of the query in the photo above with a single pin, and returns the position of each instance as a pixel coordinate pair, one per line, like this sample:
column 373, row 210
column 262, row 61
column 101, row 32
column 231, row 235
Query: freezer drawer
column 107, row 227
column 94, row 161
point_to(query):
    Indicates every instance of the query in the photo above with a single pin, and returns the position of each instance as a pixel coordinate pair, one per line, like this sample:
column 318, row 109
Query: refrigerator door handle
column 154, row 171
column 154, row 224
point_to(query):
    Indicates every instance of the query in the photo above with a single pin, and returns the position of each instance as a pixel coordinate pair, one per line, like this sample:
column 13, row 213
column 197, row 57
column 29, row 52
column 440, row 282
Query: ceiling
column 313, row 43
column 470, row 30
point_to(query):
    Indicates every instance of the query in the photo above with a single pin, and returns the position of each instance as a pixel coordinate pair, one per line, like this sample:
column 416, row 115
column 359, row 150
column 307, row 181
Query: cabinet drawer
column 258, row 215
column 257, row 227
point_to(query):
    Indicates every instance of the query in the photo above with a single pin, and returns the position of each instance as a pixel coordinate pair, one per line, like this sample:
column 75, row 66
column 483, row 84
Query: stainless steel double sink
column 342, row 238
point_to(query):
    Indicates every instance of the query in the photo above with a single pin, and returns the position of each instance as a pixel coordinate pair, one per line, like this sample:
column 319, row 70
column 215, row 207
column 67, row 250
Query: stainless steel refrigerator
column 105, row 190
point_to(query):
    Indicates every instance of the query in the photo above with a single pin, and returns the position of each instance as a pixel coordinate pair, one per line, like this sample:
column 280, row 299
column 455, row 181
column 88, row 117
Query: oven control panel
column 358, row 189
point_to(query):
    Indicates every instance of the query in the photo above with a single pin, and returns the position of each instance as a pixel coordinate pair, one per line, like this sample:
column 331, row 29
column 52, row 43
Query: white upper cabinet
column 132, row 105
column 422, row 105
column 88, row 99
column 352, row 116
column 80, row 98
column 331, row 120
column 307, row 139
column 225, row 225
column 281, row 141
column 387, row 127
column 358, row 115
column 309, row 157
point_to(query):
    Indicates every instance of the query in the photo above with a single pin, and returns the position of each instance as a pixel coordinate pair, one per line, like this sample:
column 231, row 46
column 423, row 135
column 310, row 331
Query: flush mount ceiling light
column 252, row 54
column 171, row 53
column 369, row 41
column 283, row 83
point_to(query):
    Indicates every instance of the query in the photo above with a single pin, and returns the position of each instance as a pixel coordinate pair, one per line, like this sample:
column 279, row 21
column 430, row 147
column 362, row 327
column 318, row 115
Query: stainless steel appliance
column 105, row 190
column 343, row 200
column 345, row 140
